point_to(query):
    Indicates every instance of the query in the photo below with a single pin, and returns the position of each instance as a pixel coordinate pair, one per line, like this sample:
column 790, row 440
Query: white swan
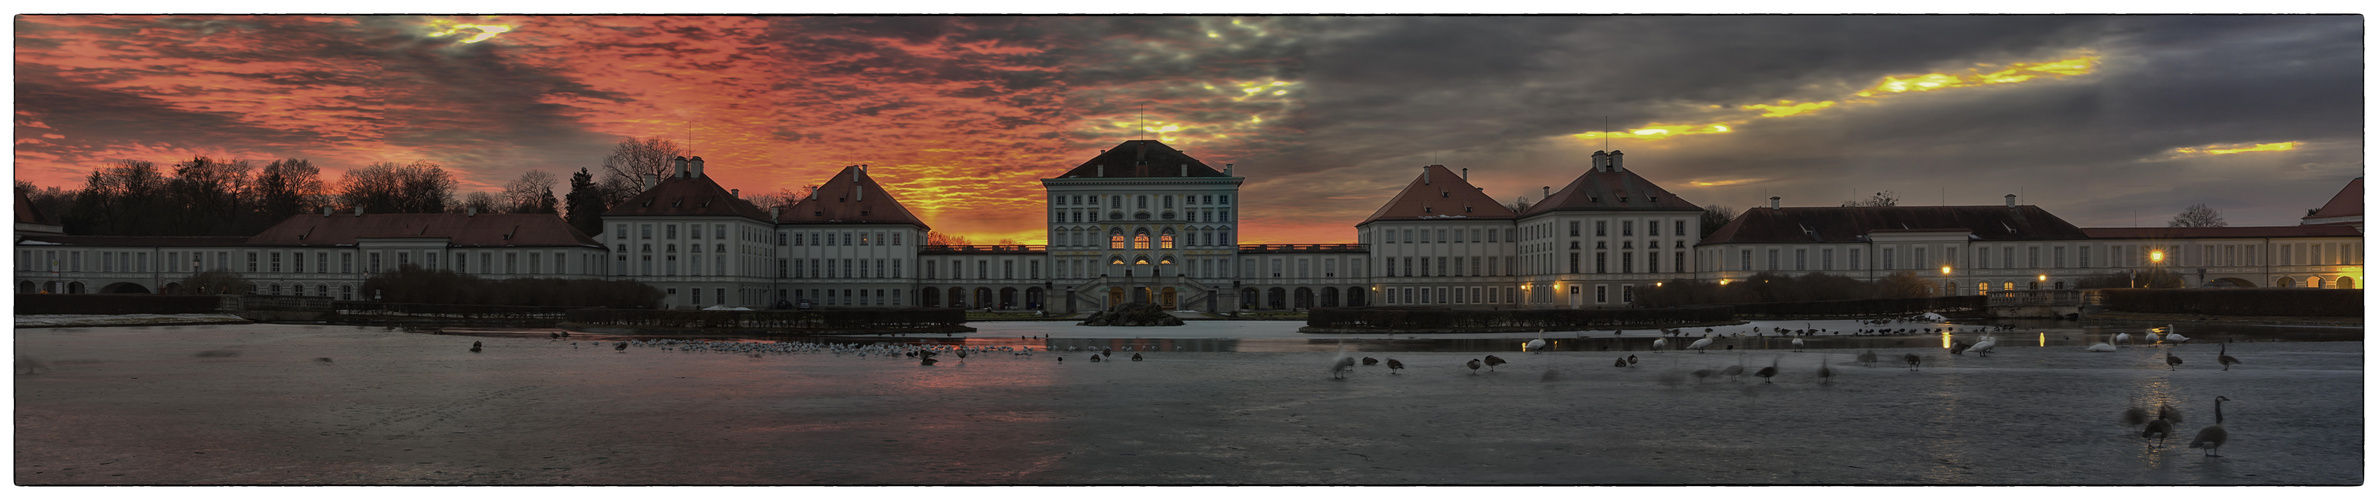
column 2102, row 347
column 1698, row 345
column 2122, row 338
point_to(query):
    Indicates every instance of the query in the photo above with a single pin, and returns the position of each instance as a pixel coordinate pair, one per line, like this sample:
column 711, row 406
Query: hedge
column 2235, row 302
column 1406, row 319
column 826, row 320
column 1968, row 304
column 43, row 303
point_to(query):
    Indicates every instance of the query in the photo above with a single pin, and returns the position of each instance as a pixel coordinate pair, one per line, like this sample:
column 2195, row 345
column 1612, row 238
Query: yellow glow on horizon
column 1726, row 182
column 2227, row 149
column 480, row 32
column 1786, row 108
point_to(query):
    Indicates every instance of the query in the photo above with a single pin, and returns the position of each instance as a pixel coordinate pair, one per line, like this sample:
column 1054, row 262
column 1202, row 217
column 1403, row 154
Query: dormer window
column 1428, row 209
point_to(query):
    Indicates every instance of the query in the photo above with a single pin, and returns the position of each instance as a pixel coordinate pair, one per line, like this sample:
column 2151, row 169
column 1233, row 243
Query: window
column 252, row 261
column 1678, row 266
column 1856, row 262
column 671, row 231
column 2059, row 255
column 1626, row 262
column 1680, row 228
column 2034, row 257
column 1601, row 262
column 1601, row 293
column 1626, row 228
column 1745, row 261
column 1825, row 258
column 1626, row 294
column 647, row 230
column 694, row 231
column 1918, row 262
column 1771, row 264
column 1800, row 259
column 1651, row 228
column 1115, row 240
column 1889, row 256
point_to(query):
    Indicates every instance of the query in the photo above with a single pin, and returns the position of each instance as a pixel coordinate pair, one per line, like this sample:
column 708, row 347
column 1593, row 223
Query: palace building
column 1144, row 222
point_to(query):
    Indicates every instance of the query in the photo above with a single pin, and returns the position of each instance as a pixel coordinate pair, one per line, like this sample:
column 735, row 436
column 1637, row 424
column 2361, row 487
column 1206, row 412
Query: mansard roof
column 461, row 230
column 1612, row 189
column 1142, row 158
column 687, row 194
column 1852, row 224
column 2177, row 233
column 850, row 197
column 1439, row 194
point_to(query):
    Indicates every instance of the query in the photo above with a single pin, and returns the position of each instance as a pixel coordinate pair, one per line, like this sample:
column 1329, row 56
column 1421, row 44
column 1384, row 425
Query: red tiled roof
column 1840, row 224
column 851, row 197
column 139, row 241
column 482, row 230
column 1143, row 158
column 2173, row 233
column 26, row 214
column 2346, row 203
column 696, row 195
column 1620, row 190
column 1438, row 193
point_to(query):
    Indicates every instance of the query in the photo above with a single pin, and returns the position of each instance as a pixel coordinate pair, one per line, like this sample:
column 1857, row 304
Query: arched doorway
column 2344, row 282
column 1035, row 298
column 2312, row 282
column 1304, row 298
column 1114, row 296
column 1329, row 297
column 1356, row 298
column 1248, row 298
column 958, row 297
column 2236, row 282
column 982, row 297
column 1007, row 298
column 1276, row 298
column 2284, row 282
column 77, row 288
column 123, row 287
column 929, row 297
column 1171, row 297
column 1139, row 295
column 29, row 287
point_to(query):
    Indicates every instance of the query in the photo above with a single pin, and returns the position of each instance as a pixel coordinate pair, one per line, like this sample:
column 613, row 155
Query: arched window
column 1115, row 240
column 1139, row 241
column 2314, row 282
column 1167, row 240
column 1117, row 260
column 1985, row 288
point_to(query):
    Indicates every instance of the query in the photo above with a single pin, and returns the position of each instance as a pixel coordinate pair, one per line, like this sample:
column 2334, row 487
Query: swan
column 1701, row 345
column 2102, row 347
column 1983, row 348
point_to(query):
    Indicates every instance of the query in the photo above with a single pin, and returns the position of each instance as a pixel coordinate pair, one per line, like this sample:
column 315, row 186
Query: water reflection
column 1255, row 337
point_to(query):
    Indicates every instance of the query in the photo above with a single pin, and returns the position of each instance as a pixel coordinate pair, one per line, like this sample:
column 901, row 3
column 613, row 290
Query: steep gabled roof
column 2175, row 233
column 1849, row 224
column 136, row 241
column 2347, row 203
column 26, row 214
column 482, row 230
column 850, row 197
column 1142, row 158
column 1600, row 190
column 687, row 195
column 1438, row 193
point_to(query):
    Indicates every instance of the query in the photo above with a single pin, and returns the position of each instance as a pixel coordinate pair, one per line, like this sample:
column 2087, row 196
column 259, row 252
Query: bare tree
column 941, row 238
column 532, row 193
column 1882, row 199
column 480, row 202
column 287, row 187
column 624, row 169
column 421, row 187
column 1518, row 205
column 2199, row 215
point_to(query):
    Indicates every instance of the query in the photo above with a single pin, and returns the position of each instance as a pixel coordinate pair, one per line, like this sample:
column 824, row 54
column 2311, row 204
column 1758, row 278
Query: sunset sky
column 2101, row 120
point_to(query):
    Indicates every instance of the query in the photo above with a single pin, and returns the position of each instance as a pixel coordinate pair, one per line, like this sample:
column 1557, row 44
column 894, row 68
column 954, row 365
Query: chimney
column 1226, row 169
column 1618, row 161
column 858, row 193
column 1775, row 202
column 1424, row 175
column 1465, row 173
column 1601, row 161
column 697, row 171
column 1547, row 193
column 737, row 193
column 2010, row 201
column 775, row 213
column 651, row 180
column 680, row 164
column 325, row 211
column 470, row 212
column 358, row 211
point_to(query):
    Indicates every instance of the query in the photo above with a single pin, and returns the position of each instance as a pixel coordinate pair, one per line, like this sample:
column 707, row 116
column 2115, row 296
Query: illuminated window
column 1139, row 241
column 1115, row 240
column 1167, row 240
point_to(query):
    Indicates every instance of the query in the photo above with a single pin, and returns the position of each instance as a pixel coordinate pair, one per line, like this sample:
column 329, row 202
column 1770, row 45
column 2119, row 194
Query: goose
column 1473, row 367
column 2158, row 429
column 1957, row 348
column 2170, row 360
column 1368, row 361
column 1912, row 361
column 1631, row 361
column 1393, row 366
column 1134, row 356
column 474, row 346
column 1769, row 372
column 1622, row 363
column 1736, row 370
column 621, row 347
column 2226, row 360
column 1094, row 358
column 1492, row 361
column 2213, row 437
column 2173, row 337
column 1825, row 370
column 2150, row 337
column 1868, row 358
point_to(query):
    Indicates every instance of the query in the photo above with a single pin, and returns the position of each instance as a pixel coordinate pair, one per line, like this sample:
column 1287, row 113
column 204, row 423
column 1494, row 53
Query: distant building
column 1146, row 222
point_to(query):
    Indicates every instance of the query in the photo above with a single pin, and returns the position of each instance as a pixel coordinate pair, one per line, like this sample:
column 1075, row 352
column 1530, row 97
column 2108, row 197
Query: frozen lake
column 1217, row 403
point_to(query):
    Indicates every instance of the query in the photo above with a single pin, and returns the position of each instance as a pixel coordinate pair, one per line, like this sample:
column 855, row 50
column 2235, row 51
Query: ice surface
column 140, row 405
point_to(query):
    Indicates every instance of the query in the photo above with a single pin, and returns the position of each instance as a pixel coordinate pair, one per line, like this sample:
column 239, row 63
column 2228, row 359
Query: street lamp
column 1944, row 270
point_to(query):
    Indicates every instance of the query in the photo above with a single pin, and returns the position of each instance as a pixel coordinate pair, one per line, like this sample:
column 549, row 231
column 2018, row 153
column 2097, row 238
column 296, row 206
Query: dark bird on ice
column 1393, row 365
column 1736, row 370
column 1825, row 370
column 2226, row 360
column 1492, row 361
column 2157, row 429
column 622, row 347
column 1868, row 358
column 1368, row 361
column 1474, row 367
column 1631, row 361
column 2170, row 360
column 1769, row 372
column 322, row 360
column 474, row 346
column 1134, row 356
column 2213, row 437
column 1622, row 363
column 1094, row 358
column 1912, row 361
column 1957, row 348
